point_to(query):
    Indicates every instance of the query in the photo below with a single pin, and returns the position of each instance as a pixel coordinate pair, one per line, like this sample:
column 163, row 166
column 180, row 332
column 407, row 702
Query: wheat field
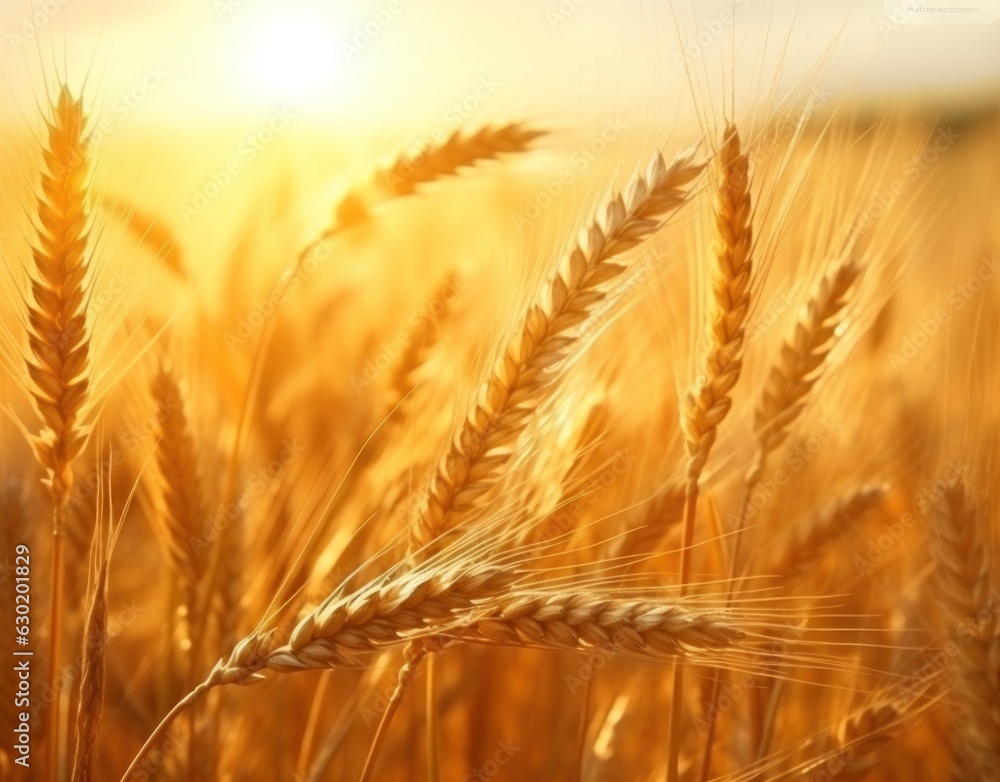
column 524, row 444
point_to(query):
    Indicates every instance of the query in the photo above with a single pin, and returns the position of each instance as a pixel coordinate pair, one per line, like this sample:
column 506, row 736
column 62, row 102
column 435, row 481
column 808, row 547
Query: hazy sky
column 169, row 59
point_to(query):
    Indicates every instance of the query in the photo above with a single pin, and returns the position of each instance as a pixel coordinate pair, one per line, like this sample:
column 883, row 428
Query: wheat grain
column 527, row 367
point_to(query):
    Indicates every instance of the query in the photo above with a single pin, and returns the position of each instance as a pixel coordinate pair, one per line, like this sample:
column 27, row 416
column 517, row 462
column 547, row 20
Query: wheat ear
column 962, row 584
column 708, row 401
column 183, row 506
column 182, row 511
column 528, row 365
column 802, row 555
column 801, row 360
column 793, row 375
column 407, row 172
column 865, row 737
column 58, row 338
column 470, row 608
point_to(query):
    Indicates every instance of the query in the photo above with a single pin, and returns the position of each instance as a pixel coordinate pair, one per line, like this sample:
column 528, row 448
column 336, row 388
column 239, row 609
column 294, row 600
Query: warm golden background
column 226, row 133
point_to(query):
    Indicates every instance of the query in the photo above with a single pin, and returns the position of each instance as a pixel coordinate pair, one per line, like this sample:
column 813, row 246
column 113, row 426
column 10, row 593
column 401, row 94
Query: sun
column 288, row 55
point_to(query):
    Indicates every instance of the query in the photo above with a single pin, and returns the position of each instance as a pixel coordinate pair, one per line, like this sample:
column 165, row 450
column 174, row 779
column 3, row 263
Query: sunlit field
column 534, row 391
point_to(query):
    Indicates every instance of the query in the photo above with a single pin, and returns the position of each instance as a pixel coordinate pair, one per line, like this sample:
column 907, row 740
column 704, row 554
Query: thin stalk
column 433, row 722
column 55, row 625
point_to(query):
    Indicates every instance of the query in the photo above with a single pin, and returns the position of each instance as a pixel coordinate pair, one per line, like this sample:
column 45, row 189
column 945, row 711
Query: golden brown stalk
column 962, row 584
column 528, row 366
column 88, row 718
column 708, row 402
column 790, row 380
column 59, row 340
column 793, row 376
column 181, row 514
column 406, row 173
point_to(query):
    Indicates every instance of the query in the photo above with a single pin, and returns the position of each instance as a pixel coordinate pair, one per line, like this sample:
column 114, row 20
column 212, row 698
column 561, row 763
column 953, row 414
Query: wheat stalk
column 181, row 514
column 962, row 584
column 92, row 678
column 707, row 403
column 58, row 338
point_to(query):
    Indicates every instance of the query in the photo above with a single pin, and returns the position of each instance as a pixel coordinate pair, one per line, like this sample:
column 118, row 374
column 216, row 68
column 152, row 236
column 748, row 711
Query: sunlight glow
column 289, row 54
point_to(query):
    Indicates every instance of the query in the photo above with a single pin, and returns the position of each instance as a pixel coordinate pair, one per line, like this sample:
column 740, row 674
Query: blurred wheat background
column 577, row 390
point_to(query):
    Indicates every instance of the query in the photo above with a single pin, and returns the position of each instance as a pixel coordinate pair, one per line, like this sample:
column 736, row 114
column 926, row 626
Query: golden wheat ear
column 708, row 401
column 528, row 367
column 963, row 586
column 406, row 173
column 802, row 356
column 59, row 340
column 58, row 336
